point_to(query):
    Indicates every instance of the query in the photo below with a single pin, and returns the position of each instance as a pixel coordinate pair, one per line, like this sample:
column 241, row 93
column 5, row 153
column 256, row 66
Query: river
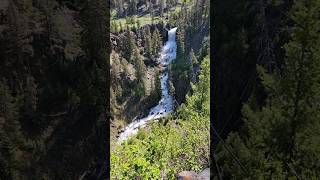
column 166, row 103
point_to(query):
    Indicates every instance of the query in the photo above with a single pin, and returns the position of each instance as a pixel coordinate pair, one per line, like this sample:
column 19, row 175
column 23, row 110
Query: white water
column 165, row 105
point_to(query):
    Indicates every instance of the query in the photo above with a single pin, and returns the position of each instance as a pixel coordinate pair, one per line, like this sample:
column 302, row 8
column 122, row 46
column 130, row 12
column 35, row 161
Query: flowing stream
column 166, row 104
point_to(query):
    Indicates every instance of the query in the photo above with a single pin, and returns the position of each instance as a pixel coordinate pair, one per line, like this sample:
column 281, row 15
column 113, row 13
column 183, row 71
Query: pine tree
column 139, row 65
column 202, row 89
column 180, row 42
column 129, row 44
column 193, row 58
column 140, row 72
column 157, row 85
column 148, row 42
column 156, row 41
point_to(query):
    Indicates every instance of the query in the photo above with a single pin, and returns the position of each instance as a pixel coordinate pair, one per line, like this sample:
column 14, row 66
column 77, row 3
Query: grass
column 144, row 20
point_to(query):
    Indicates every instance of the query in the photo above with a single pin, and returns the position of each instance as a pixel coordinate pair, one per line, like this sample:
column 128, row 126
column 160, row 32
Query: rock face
column 187, row 175
column 191, row 175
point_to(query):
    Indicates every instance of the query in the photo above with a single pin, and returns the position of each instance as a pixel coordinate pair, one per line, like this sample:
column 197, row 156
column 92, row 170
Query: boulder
column 187, row 175
column 191, row 175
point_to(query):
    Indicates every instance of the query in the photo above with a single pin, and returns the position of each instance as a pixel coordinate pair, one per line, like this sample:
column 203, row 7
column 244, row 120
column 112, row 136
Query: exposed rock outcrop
column 191, row 175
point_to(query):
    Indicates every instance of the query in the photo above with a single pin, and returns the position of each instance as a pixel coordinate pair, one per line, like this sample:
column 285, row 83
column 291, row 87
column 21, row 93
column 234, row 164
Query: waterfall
column 172, row 35
column 169, row 50
column 166, row 105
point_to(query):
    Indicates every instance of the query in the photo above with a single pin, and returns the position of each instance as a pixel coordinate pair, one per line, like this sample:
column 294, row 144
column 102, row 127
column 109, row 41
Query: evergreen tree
column 200, row 98
column 157, row 85
column 141, row 71
column 180, row 42
column 148, row 42
column 156, row 41
column 193, row 58
column 129, row 44
column 139, row 65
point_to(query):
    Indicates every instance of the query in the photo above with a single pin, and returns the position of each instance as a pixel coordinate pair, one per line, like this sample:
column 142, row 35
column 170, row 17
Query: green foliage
column 201, row 91
column 141, row 71
column 156, row 41
column 148, row 42
column 182, row 144
column 193, row 58
column 157, row 87
column 181, row 75
column 128, row 45
column 152, row 42
column 130, row 20
column 205, row 48
column 180, row 42
column 114, row 26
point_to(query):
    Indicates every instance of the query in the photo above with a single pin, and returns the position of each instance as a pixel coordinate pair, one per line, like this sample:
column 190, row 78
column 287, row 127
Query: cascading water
column 165, row 105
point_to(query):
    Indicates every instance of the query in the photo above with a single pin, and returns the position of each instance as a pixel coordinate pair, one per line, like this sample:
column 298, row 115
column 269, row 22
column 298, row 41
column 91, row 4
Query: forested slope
column 179, row 142
column 268, row 79
column 53, row 85
column 136, row 43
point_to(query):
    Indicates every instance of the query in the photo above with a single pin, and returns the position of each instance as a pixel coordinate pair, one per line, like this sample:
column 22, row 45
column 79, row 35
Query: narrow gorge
column 166, row 104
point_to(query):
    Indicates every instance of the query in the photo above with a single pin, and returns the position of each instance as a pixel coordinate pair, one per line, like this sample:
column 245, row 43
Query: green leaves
column 268, row 81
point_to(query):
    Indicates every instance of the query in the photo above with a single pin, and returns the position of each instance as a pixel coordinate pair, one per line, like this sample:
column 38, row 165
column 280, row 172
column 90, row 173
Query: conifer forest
column 53, row 81
column 96, row 89
column 266, row 89
column 121, row 89
column 160, row 89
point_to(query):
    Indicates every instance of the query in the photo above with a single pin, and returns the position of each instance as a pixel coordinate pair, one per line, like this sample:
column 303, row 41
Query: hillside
column 136, row 39
column 267, row 89
column 53, row 85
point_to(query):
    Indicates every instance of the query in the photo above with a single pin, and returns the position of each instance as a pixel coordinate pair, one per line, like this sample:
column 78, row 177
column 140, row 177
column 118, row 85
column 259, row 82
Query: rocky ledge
column 191, row 175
